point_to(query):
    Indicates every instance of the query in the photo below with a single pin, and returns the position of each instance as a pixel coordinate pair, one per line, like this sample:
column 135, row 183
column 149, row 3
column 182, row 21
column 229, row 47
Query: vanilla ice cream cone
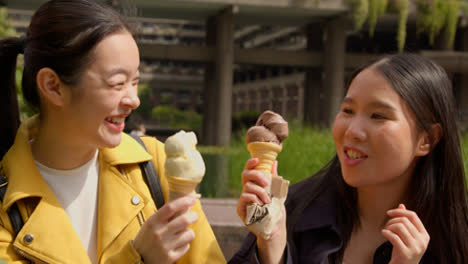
column 266, row 152
column 179, row 187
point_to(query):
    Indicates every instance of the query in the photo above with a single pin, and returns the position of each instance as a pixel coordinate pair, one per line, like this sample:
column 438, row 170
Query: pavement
column 226, row 224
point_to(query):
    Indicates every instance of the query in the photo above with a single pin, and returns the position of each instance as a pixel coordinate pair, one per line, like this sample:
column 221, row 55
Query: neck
column 55, row 149
column 374, row 201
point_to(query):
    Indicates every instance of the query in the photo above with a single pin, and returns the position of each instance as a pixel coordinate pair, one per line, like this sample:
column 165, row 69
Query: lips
column 116, row 123
column 116, row 120
column 354, row 153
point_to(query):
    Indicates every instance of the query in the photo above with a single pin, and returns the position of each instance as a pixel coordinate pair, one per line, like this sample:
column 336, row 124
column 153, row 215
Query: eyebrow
column 120, row 70
column 375, row 104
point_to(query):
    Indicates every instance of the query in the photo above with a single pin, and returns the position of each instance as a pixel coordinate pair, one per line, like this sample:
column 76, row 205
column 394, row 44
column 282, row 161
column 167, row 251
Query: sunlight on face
column 107, row 92
column 375, row 133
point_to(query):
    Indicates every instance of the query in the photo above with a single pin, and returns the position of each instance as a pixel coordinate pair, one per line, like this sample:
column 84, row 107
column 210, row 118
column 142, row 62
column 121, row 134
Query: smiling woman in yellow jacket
column 72, row 172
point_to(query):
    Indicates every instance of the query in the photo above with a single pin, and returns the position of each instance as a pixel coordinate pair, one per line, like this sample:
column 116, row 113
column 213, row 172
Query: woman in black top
column 394, row 193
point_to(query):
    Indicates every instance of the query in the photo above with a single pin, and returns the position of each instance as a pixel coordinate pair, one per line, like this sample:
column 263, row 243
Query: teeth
column 354, row 155
column 116, row 120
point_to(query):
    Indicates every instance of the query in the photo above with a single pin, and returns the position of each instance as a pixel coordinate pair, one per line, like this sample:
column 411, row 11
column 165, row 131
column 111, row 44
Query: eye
column 378, row 116
column 348, row 111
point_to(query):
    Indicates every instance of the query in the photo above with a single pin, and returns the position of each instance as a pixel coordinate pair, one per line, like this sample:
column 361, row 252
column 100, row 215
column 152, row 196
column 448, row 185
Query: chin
column 351, row 180
column 111, row 141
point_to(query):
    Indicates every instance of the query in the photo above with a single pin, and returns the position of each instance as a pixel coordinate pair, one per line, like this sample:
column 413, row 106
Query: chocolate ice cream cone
column 266, row 152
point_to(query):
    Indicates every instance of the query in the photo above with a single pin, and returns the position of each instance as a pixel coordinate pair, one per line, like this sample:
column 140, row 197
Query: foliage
column 376, row 8
column 146, row 105
column 5, row 27
column 175, row 118
column 402, row 8
column 434, row 15
column 371, row 10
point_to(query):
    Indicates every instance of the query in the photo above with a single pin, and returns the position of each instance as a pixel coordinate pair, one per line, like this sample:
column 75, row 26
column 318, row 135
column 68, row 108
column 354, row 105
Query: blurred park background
column 212, row 66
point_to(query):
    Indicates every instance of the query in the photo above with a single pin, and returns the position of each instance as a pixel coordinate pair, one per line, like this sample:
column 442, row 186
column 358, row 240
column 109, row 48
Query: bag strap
column 152, row 179
column 13, row 213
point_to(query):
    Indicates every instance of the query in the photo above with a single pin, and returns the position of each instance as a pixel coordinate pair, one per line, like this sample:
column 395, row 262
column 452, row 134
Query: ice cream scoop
column 184, row 166
column 270, row 127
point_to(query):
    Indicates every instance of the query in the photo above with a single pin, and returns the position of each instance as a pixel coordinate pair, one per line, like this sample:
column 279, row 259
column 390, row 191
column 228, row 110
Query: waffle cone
column 179, row 186
column 266, row 152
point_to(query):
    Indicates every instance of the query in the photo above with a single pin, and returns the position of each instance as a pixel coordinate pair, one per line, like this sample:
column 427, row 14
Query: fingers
column 181, row 222
column 172, row 208
column 401, row 211
column 182, row 238
column 261, row 195
column 274, row 168
column 255, row 176
column 179, row 252
column 407, row 233
column 251, row 163
column 244, row 200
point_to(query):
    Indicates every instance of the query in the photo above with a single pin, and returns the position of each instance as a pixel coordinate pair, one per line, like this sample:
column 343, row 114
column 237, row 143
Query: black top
column 316, row 233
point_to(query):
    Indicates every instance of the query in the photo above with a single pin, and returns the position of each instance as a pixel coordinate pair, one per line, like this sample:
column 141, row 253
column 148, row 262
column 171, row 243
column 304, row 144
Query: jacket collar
column 27, row 181
column 320, row 213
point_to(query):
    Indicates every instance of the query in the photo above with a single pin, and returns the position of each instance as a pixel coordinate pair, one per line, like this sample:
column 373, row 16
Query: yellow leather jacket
column 54, row 239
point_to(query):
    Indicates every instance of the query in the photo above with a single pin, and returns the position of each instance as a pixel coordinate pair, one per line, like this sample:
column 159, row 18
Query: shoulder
column 304, row 191
column 312, row 204
column 153, row 144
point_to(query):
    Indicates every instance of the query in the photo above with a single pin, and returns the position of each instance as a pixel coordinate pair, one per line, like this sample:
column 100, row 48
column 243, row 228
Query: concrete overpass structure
column 219, row 38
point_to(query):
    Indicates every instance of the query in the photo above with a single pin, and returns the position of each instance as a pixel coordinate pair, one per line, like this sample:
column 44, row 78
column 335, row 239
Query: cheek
column 396, row 148
column 339, row 126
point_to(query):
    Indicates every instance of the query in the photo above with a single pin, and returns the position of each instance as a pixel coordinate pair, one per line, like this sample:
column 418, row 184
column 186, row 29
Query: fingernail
column 192, row 216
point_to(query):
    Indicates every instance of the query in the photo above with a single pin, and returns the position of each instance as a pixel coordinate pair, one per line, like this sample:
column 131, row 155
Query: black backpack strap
column 13, row 213
column 149, row 172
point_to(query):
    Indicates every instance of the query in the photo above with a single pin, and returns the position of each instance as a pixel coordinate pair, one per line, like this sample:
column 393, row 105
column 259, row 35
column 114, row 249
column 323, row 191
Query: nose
column 131, row 99
column 356, row 130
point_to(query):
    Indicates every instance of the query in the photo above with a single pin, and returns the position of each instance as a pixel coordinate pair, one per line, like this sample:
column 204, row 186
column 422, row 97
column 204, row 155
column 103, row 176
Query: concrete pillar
column 334, row 67
column 312, row 99
column 218, row 77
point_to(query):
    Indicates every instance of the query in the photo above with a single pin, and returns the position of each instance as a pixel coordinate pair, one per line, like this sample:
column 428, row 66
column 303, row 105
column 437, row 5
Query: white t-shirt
column 76, row 190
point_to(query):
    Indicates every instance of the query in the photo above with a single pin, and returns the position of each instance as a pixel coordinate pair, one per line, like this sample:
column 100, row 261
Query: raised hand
column 253, row 191
column 165, row 236
column 407, row 234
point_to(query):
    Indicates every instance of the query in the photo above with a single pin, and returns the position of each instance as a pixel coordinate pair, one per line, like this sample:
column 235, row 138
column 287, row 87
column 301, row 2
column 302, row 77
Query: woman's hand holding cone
column 254, row 183
column 165, row 236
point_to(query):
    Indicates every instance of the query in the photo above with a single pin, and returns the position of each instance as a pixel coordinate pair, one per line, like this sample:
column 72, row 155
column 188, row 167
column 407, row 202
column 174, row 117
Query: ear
column 50, row 86
column 427, row 143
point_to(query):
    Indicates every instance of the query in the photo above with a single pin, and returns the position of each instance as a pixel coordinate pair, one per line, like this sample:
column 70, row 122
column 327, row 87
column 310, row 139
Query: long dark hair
column 438, row 191
column 61, row 36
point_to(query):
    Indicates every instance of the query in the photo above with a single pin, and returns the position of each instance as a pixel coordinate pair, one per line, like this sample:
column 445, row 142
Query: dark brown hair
column 61, row 36
column 438, row 191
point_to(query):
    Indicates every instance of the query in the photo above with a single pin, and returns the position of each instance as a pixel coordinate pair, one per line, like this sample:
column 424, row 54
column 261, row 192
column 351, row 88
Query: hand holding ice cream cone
column 264, row 141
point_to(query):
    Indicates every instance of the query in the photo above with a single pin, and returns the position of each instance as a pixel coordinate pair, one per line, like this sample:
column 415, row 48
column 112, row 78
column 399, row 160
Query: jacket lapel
column 54, row 239
column 116, row 206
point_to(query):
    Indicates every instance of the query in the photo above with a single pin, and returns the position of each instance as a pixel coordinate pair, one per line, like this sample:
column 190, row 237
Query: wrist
column 271, row 250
